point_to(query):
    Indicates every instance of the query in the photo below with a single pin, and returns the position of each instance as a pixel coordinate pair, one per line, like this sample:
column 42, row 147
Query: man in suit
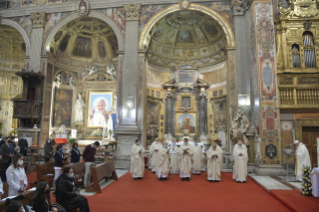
column 6, row 151
column 23, row 144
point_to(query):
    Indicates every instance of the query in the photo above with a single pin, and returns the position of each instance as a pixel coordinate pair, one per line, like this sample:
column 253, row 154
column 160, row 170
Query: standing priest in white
column 137, row 160
column 240, row 156
column 185, row 153
column 302, row 159
column 214, row 162
column 163, row 169
column 155, row 155
column 174, row 161
column 198, row 158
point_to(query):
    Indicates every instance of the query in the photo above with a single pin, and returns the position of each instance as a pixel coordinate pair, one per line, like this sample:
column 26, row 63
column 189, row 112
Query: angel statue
column 89, row 72
column 110, row 70
column 72, row 82
column 58, row 80
column 239, row 127
column 79, row 108
column 257, row 148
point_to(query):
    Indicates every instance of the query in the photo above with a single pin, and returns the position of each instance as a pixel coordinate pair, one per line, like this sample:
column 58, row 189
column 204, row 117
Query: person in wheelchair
column 41, row 199
column 67, row 195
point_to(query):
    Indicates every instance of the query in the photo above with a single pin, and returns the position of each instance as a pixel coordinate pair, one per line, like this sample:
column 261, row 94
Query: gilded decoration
column 299, row 9
column 132, row 12
column 38, row 19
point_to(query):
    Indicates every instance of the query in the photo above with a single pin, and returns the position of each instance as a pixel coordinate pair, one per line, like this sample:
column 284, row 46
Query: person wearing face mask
column 16, row 177
column 137, row 160
column 89, row 158
column 23, row 144
column 58, row 162
column 163, row 169
column 214, row 162
column 67, row 194
column 48, row 151
column 154, row 154
column 185, row 153
column 240, row 157
column 41, row 199
column 198, row 158
column 75, row 154
column 7, row 152
column 173, row 158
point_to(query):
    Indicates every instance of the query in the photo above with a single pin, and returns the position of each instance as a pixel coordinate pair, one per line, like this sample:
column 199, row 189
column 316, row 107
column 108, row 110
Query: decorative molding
column 132, row 12
column 38, row 19
column 83, row 7
column 239, row 7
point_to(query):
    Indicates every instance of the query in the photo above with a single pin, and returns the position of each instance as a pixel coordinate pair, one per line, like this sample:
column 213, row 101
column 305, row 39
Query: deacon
column 198, row 158
column 137, row 160
column 155, row 155
column 185, row 152
column 163, row 169
column 214, row 162
column 240, row 162
column 174, row 161
column 302, row 158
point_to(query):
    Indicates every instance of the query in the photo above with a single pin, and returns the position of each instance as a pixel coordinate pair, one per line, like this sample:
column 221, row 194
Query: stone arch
column 20, row 29
column 143, row 41
column 93, row 14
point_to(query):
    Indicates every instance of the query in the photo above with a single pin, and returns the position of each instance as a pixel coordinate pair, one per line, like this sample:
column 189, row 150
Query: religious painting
column 186, row 102
column 185, row 37
column 99, row 108
column 220, row 113
column 153, row 113
column 65, row 77
column 114, row 45
column 47, row 103
column 102, row 50
column 49, row 73
column 58, row 36
column 14, row 86
column 3, row 84
column 62, row 109
column 70, row 24
column 211, row 29
column 83, row 47
column 159, row 31
column 185, row 121
column 64, row 43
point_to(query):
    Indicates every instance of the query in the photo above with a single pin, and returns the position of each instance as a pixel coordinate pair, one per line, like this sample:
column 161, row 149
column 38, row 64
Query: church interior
column 129, row 80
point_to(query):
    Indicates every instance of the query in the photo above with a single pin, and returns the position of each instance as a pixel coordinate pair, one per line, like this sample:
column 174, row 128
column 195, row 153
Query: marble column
column 169, row 96
column 202, row 115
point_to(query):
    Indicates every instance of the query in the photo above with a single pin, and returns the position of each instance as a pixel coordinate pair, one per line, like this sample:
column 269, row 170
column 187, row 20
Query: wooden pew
column 78, row 169
column 45, row 172
column 28, row 194
column 100, row 172
column 5, row 190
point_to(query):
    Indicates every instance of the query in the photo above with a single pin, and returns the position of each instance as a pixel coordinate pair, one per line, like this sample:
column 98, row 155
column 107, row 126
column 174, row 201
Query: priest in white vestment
column 174, row 161
column 163, row 169
column 302, row 159
column 214, row 163
column 137, row 160
column 198, row 158
column 155, row 155
column 240, row 157
column 185, row 153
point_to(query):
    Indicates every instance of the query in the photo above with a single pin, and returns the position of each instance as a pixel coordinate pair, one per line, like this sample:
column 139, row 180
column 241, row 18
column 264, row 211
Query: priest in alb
column 214, row 162
column 240, row 157
column 155, row 155
column 185, row 152
column 174, row 161
column 302, row 159
column 137, row 160
column 198, row 158
column 163, row 169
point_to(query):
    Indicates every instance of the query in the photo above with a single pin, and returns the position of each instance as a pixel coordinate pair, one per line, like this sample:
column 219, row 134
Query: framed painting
column 153, row 113
column 220, row 112
column 185, row 124
column 62, row 108
column 3, row 84
column 99, row 108
column 186, row 102
column 14, row 86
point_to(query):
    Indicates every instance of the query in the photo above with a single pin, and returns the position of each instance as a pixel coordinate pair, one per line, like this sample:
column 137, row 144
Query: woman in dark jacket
column 58, row 162
column 67, row 194
column 41, row 199
column 75, row 154
column 48, row 151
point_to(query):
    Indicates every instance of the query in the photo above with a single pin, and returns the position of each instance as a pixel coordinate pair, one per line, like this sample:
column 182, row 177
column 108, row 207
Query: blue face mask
column 75, row 147
column 72, row 175
column 61, row 150
column 49, row 142
column 196, row 143
column 173, row 144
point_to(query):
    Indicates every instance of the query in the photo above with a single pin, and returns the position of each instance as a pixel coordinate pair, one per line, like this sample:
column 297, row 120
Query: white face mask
column 138, row 143
column 20, row 162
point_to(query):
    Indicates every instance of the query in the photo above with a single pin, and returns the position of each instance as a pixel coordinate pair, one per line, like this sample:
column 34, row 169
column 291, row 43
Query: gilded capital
column 239, row 7
column 38, row 19
column 132, row 12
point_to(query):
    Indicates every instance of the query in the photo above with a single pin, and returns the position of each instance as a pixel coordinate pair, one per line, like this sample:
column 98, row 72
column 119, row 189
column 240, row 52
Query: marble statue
column 240, row 126
column 257, row 148
column 89, row 72
column 58, row 80
column 79, row 108
column 110, row 70
column 62, row 129
column 72, row 82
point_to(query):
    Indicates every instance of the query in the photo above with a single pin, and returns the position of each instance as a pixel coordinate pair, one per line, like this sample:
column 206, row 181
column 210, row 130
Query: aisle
column 150, row 194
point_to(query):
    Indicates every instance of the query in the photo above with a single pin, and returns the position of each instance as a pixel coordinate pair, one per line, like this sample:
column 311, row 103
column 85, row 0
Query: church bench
column 78, row 169
column 100, row 172
column 45, row 171
column 5, row 190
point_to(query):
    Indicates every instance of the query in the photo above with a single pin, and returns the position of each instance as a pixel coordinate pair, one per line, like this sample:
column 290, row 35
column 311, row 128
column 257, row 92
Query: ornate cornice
column 239, row 7
column 38, row 19
column 132, row 12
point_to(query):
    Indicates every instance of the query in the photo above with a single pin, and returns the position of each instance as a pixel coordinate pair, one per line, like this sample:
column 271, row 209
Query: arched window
column 309, row 50
column 295, row 56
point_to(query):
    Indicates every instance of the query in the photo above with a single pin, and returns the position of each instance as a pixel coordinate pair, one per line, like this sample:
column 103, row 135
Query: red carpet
column 295, row 201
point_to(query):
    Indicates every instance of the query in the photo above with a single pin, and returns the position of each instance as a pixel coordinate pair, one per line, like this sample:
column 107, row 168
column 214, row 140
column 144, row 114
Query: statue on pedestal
column 79, row 108
column 89, row 72
column 58, row 80
column 240, row 126
column 110, row 70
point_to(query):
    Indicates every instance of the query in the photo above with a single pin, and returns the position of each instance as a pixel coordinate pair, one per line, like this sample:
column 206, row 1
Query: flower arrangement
column 97, row 133
column 176, row 138
column 14, row 133
column 306, row 181
column 195, row 137
column 112, row 142
column 72, row 140
column 219, row 142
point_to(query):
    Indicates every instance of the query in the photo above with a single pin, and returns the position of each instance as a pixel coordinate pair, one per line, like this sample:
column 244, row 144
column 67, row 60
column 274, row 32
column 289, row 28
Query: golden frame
column 179, row 102
column 89, row 98
column 177, row 115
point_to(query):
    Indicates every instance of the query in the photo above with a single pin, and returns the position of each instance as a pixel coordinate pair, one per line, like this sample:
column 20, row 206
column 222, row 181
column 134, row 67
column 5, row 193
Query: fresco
column 62, row 108
column 156, row 77
column 211, row 29
column 216, row 76
column 47, row 103
column 48, row 76
column 185, row 37
column 83, row 47
column 29, row 3
column 58, row 36
column 113, row 42
column 101, row 48
column 25, row 22
column 223, row 8
column 153, row 113
column 117, row 14
column 64, row 43
column 148, row 11
column 220, row 114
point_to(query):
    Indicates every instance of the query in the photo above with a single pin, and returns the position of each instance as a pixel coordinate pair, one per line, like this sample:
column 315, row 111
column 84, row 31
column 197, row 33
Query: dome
column 84, row 40
column 186, row 38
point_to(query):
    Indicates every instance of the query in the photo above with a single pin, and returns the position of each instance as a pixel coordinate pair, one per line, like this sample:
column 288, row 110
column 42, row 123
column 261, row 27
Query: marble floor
column 269, row 183
column 119, row 172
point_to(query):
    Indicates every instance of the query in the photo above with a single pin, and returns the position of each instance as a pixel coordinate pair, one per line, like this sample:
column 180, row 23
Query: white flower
column 309, row 188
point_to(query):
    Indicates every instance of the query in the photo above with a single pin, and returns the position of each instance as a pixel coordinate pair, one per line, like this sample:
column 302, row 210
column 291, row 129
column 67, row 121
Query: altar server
column 137, row 160
column 302, row 158
column 155, row 155
column 163, row 169
column 198, row 158
column 186, row 152
column 174, row 161
column 16, row 177
column 214, row 162
column 240, row 157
